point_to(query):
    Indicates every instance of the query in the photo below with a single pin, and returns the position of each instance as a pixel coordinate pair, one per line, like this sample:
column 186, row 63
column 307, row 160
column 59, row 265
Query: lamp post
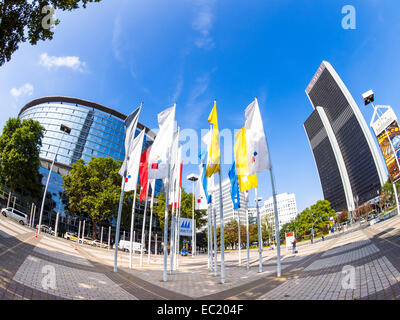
column 312, row 228
column 260, row 242
column 193, row 177
column 66, row 130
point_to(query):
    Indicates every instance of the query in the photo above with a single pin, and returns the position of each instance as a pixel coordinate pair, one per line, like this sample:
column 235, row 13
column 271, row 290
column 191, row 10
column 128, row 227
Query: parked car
column 46, row 229
column 125, row 245
column 70, row 236
column 184, row 252
column 15, row 214
column 97, row 243
column 87, row 240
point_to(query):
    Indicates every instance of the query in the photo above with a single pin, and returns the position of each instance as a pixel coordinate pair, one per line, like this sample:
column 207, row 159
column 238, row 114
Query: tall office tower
column 350, row 169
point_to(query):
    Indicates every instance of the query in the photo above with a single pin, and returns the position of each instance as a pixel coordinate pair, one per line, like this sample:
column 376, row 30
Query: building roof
column 86, row 103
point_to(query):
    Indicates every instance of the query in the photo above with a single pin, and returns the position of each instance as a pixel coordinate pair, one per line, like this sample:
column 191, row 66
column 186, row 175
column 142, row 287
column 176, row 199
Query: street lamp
column 312, row 229
column 66, row 130
column 193, row 177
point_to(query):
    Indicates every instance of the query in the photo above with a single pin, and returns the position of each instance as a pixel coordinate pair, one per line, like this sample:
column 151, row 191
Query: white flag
column 158, row 166
column 199, row 195
column 133, row 163
column 130, row 129
column 257, row 150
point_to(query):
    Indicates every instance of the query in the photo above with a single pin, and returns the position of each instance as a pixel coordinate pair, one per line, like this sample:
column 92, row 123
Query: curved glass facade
column 96, row 131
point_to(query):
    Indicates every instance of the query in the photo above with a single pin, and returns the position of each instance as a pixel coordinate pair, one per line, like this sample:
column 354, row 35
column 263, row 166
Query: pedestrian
column 323, row 237
column 294, row 246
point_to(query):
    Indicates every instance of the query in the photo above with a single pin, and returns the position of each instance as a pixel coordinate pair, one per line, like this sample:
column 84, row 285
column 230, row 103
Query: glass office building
column 96, row 131
column 350, row 169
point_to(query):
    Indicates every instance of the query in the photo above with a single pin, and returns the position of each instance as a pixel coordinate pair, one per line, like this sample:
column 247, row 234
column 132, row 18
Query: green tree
column 186, row 209
column 20, row 145
column 21, row 21
column 231, row 233
column 318, row 214
column 94, row 189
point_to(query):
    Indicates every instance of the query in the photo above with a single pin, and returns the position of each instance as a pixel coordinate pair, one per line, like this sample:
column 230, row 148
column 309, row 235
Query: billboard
column 387, row 131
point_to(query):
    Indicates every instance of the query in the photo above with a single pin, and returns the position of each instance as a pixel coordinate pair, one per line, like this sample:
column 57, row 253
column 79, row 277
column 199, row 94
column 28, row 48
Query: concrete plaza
column 361, row 263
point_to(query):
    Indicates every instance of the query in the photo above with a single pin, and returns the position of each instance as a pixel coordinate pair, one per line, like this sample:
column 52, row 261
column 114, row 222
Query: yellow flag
column 246, row 182
column 214, row 155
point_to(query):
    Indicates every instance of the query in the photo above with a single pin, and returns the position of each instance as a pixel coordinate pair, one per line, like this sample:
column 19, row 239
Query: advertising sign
column 387, row 132
column 185, row 227
column 289, row 239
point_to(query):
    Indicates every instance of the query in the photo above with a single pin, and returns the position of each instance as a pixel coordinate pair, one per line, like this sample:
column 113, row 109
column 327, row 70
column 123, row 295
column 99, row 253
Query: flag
column 257, row 149
column 159, row 155
column 214, row 156
column 199, row 196
column 130, row 125
column 180, row 186
column 240, row 148
column 131, row 177
column 234, row 186
column 246, row 195
column 144, row 174
column 203, row 156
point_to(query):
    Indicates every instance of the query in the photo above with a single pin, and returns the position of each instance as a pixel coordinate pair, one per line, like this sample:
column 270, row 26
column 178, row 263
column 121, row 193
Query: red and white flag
column 159, row 155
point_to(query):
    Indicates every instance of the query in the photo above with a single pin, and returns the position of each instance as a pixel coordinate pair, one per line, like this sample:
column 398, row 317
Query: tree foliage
column 317, row 216
column 94, row 189
column 21, row 21
column 19, row 153
column 186, row 209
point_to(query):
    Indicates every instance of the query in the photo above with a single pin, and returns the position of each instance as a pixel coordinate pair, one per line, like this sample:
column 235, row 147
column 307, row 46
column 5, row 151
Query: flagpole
column 151, row 221
column 208, row 238
column 277, row 236
column 121, row 198
column 248, row 238
column 178, row 227
column 215, row 244
column 240, row 243
column 131, row 233
column 260, row 244
column 144, row 225
column 221, row 216
column 165, row 274
column 172, row 238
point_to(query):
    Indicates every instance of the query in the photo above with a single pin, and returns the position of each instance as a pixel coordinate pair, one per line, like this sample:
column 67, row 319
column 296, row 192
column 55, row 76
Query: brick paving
column 371, row 255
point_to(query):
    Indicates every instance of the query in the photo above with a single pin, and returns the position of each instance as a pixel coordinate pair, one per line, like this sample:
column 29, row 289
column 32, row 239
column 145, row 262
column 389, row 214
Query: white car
column 15, row 214
column 125, row 245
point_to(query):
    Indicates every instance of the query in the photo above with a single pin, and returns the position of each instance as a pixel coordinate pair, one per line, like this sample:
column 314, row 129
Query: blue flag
column 203, row 178
column 234, row 186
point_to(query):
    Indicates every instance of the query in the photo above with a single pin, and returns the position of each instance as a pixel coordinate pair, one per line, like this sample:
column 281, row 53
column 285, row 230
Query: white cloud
column 196, row 106
column 25, row 90
column 203, row 23
column 178, row 89
column 116, row 43
column 71, row 62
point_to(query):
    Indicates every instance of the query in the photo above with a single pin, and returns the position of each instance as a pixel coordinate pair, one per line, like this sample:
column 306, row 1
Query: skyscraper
column 347, row 159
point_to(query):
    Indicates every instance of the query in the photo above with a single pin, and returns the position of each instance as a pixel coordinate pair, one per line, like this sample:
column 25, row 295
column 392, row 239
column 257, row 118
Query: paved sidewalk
column 363, row 264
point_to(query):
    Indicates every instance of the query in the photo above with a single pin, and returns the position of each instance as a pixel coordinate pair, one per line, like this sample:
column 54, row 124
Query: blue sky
column 193, row 52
